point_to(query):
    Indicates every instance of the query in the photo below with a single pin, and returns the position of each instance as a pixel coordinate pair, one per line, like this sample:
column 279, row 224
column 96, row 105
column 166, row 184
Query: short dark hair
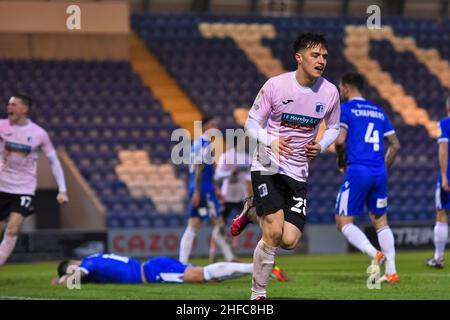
column 309, row 40
column 62, row 267
column 26, row 99
column 353, row 79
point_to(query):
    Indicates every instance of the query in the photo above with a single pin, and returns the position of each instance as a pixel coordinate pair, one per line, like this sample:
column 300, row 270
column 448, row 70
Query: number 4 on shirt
column 372, row 136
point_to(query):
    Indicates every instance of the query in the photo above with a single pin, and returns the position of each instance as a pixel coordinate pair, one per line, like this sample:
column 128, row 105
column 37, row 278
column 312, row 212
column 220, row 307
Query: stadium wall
column 84, row 210
column 409, row 235
column 39, row 30
column 317, row 239
column 57, row 244
column 311, row 8
column 325, row 239
column 423, row 9
column 144, row 243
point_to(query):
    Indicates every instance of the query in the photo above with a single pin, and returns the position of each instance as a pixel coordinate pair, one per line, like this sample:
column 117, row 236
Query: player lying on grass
column 111, row 268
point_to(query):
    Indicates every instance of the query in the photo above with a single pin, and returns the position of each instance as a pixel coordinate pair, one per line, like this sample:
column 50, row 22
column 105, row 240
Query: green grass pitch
column 310, row 277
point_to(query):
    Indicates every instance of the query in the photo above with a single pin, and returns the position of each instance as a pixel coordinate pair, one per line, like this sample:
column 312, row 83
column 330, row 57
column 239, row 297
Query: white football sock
column 387, row 244
column 226, row 270
column 187, row 240
column 6, row 247
column 219, row 238
column 263, row 261
column 440, row 239
column 212, row 250
column 358, row 239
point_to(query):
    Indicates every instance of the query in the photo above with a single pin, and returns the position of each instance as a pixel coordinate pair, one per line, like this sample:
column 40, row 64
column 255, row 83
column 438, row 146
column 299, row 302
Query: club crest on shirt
column 320, row 106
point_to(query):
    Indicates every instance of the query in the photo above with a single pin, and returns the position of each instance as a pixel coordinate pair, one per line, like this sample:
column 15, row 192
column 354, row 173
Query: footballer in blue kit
column 366, row 173
column 203, row 203
column 442, row 196
column 208, row 206
column 360, row 148
column 442, row 185
column 113, row 268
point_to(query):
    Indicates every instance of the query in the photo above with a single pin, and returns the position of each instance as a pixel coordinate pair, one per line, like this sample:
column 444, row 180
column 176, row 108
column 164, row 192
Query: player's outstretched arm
column 59, row 177
column 392, row 150
column 195, row 201
column 331, row 133
column 443, row 164
column 340, row 149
